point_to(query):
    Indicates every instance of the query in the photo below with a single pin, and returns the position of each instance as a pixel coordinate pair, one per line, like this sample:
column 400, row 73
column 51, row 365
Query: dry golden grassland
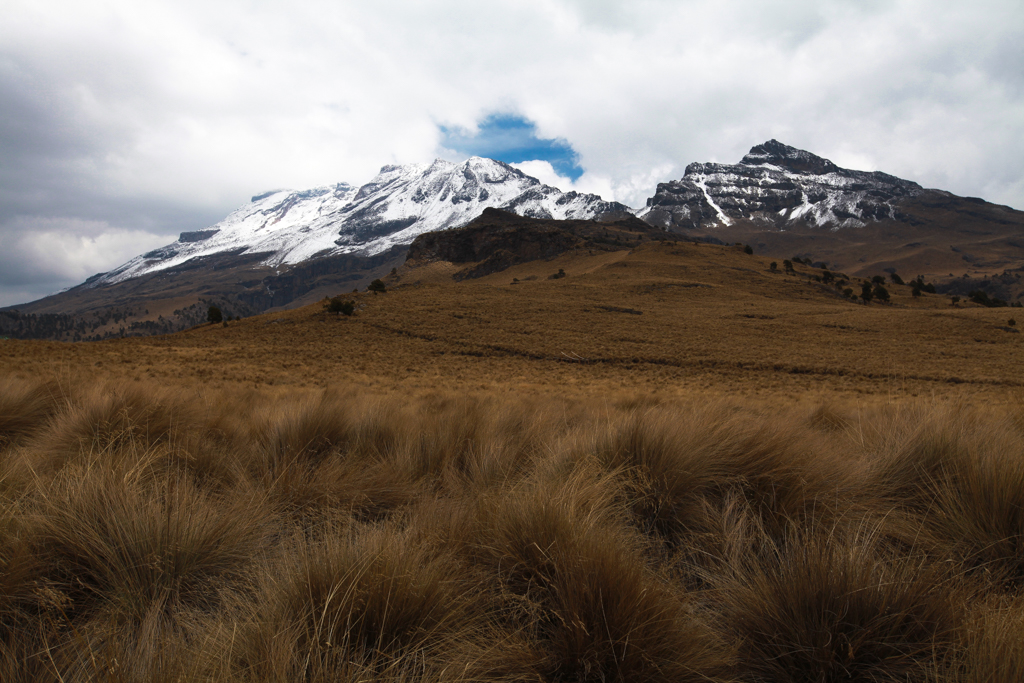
column 158, row 534
column 669, row 465
column 668, row 319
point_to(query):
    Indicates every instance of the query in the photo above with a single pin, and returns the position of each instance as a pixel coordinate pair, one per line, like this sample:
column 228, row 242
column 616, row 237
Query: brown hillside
column 960, row 243
column 666, row 318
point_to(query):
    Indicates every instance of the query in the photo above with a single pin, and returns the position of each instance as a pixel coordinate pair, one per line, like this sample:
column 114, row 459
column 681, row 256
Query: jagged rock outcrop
column 778, row 186
column 499, row 239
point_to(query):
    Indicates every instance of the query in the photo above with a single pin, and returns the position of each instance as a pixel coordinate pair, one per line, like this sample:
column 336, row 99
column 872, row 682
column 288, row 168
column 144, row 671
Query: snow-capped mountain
column 779, row 186
column 286, row 249
column 287, row 227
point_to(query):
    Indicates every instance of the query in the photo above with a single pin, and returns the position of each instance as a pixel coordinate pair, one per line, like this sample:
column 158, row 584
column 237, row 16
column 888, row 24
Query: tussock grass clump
column 688, row 475
column 110, row 418
column 25, row 407
column 124, row 569
column 479, row 443
column 138, row 549
column 995, row 646
column 148, row 534
column 305, row 432
column 830, row 418
column 330, row 452
column 19, row 569
column 569, row 573
column 962, row 479
column 357, row 602
column 120, row 426
column 830, row 608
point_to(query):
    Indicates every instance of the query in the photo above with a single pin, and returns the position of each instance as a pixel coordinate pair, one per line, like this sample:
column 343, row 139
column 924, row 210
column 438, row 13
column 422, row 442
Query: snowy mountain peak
column 789, row 158
column 779, row 186
column 285, row 227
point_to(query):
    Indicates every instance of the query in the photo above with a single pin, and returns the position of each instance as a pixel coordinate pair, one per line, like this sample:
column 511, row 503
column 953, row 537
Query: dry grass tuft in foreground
column 150, row 534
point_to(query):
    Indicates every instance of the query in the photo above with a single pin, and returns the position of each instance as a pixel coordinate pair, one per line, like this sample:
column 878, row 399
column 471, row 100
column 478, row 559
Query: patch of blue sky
column 513, row 139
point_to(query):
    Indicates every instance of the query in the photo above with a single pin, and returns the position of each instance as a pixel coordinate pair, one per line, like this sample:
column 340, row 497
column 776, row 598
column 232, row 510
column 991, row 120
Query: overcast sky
column 125, row 122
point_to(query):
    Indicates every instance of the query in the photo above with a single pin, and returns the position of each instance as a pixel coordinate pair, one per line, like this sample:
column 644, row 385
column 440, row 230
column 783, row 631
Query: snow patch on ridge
column 779, row 186
column 701, row 182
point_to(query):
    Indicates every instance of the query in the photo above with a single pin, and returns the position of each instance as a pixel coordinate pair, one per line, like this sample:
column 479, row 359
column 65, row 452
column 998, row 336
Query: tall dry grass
column 148, row 534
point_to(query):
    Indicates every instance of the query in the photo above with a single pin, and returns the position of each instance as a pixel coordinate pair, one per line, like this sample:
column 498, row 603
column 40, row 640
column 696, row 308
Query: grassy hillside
column 671, row 463
column 664, row 318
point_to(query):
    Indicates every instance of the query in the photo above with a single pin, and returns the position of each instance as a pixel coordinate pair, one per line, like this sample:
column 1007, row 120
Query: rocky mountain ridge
column 498, row 240
column 777, row 186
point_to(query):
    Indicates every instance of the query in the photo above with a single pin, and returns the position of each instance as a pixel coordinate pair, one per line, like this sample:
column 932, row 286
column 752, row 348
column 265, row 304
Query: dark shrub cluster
column 340, row 305
column 980, row 297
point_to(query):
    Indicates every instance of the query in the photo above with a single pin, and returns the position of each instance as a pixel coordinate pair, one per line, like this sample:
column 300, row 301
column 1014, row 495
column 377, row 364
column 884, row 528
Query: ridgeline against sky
column 124, row 125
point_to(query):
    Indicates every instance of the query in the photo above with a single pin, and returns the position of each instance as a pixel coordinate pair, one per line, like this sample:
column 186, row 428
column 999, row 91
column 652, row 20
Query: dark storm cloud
column 57, row 224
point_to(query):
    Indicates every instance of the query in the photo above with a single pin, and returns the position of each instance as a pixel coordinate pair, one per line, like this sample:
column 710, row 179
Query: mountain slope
column 789, row 203
column 401, row 202
column 286, row 248
column 498, row 240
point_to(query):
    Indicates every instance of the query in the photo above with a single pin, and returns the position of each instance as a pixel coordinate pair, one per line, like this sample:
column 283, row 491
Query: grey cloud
column 153, row 118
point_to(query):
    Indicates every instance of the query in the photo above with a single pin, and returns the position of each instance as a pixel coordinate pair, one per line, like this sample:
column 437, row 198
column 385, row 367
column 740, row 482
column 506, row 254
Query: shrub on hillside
column 214, row 315
column 866, row 293
column 921, row 286
column 340, row 305
column 980, row 297
column 377, row 287
column 880, row 293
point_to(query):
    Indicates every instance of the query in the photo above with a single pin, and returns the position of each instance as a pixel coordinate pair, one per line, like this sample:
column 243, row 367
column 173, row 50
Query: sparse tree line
column 112, row 322
column 874, row 289
column 342, row 305
column 115, row 322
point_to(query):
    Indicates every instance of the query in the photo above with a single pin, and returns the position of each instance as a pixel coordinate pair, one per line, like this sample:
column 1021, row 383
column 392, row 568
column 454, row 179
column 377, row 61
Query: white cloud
column 212, row 103
column 200, row 105
column 632, row 191
column 546, row 173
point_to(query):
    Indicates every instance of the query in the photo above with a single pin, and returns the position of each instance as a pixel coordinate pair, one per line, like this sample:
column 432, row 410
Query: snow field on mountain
column 398, row 204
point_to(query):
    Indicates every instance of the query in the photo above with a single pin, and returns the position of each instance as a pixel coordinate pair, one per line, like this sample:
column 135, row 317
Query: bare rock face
column 779, row 186
column 499, row 239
